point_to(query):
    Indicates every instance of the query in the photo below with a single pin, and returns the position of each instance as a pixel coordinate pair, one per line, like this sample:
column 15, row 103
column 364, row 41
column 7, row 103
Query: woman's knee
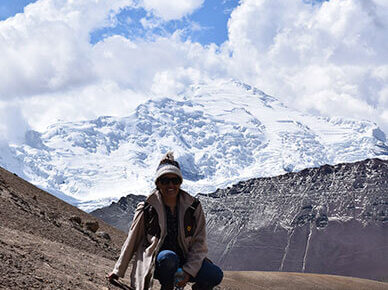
column 209, row 275
column 218, row 275
column 168, row 260
column 215, row 276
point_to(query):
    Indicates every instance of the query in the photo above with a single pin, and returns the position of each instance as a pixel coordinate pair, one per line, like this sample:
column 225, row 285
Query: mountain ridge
column 329, row 220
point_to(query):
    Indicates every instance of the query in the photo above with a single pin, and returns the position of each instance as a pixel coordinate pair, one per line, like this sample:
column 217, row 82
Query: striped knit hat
column 168, row 165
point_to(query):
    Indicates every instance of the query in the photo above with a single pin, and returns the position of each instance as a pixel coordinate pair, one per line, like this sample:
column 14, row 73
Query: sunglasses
column 166, row 180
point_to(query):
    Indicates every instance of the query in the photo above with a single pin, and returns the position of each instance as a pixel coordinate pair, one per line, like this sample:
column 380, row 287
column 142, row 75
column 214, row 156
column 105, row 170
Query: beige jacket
column 145, row 249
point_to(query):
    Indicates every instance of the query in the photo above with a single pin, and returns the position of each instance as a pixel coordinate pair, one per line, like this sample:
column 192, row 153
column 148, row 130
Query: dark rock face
column 332, row 219
column 120, row 214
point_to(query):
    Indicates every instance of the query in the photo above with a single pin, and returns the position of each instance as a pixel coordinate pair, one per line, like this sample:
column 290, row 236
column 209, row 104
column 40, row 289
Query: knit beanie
column 168, row 165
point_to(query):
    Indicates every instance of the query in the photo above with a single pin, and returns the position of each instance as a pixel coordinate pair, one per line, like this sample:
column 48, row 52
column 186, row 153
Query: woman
column 168, row 231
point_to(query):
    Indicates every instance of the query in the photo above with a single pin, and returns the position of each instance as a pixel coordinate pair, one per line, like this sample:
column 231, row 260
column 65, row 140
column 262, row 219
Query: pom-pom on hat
column 168, row 165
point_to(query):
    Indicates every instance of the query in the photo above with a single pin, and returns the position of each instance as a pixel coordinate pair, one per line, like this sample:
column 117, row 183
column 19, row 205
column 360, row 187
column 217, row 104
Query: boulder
column 103, row 235
column 92, row 226
column 75, row 219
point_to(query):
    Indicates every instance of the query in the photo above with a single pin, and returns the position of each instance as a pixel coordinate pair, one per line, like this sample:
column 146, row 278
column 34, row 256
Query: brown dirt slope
column 295, row 281
column 42, row 248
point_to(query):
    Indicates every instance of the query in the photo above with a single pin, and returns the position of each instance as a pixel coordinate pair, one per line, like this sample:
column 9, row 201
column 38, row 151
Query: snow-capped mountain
column 221, row 132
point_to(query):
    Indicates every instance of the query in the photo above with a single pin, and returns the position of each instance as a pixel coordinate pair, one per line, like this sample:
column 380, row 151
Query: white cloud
column 139, row 64
column 327, row 58
column 100, row 99
column 172, row 9
column 53, row 72
column 171, row 83
column 47, row 48
column 13, row 123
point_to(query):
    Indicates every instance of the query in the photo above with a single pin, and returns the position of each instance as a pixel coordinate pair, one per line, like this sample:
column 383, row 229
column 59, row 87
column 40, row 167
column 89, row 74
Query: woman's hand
column 111, row 277
column 184, row 281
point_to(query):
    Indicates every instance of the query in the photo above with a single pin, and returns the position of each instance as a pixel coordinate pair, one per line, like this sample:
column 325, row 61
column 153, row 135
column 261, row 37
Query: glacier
column 221, row 131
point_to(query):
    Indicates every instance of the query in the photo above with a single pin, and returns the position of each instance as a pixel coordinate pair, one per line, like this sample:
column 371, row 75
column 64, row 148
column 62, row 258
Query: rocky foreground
column 48, row 244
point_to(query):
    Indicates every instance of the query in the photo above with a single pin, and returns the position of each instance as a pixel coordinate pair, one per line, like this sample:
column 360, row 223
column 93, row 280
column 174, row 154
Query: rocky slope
column 120, row 214
column 331, row 219
column 46, row 243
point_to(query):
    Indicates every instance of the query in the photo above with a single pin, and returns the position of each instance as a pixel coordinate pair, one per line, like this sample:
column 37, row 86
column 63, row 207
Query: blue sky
column 65, row 58
column 205, row 25
column 9, row 8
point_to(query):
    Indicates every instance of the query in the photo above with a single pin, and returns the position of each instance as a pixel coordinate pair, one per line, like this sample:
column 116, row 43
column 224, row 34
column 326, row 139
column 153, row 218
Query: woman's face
column 169, row 185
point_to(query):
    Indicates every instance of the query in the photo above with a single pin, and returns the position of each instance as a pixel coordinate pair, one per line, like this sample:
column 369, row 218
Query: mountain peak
column 221, row 132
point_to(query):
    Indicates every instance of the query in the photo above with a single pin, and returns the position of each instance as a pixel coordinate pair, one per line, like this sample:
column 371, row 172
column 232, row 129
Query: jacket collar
column 184, row 200
column 155, row 199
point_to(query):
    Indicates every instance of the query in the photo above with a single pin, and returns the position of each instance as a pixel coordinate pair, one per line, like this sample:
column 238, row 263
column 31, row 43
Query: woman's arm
column 198, row 250
column 135, row 235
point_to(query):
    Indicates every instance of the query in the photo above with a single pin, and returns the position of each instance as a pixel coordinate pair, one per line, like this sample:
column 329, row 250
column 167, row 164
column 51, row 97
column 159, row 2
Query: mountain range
column 222, row 132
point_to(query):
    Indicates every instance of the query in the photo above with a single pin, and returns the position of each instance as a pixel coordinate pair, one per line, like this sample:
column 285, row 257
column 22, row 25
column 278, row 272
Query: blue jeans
column 167, row 264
